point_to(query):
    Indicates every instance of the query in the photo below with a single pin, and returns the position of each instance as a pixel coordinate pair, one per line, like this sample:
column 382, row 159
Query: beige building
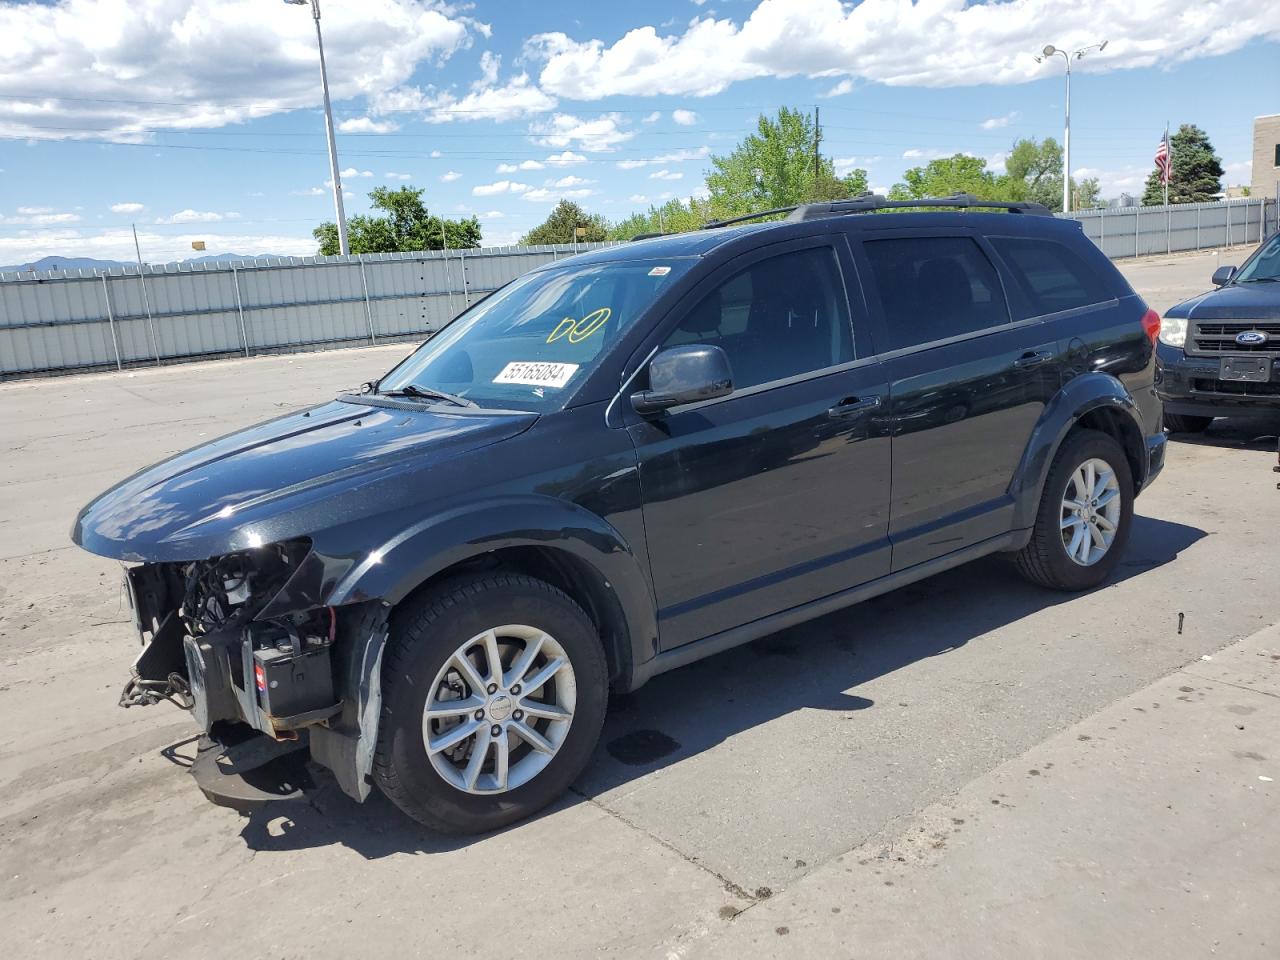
column 1266, row 156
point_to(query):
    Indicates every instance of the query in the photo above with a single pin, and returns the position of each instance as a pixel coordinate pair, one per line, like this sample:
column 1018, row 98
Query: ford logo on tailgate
column 1251, row 338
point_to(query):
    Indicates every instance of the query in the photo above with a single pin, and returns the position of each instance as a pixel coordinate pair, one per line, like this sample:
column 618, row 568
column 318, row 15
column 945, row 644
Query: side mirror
column 1223, row 275
column 684, row 374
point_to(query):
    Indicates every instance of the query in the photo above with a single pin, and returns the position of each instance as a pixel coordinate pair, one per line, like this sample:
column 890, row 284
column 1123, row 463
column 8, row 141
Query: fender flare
column 1077, row 398
column 367, row 591
column 410, row 558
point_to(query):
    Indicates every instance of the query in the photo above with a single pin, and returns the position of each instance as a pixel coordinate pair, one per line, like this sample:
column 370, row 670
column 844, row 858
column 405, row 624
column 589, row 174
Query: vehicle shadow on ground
column 1254, row 431
column 817, row 666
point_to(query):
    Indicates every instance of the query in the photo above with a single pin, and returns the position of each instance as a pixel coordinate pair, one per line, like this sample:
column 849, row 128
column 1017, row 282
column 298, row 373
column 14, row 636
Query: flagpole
column 1168, row 214
column 1169, row 160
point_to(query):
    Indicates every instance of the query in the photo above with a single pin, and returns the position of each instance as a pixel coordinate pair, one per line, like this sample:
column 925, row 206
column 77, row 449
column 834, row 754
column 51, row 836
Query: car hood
column 1245, row 301
column 246, row 488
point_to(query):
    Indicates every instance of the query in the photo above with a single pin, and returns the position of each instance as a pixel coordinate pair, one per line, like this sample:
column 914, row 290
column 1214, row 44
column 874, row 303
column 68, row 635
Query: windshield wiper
column 1259, row 280
column 428, row 393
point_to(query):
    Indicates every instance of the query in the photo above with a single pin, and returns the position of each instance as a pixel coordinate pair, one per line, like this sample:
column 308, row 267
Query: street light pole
column 343, row 245
column 1052, row 51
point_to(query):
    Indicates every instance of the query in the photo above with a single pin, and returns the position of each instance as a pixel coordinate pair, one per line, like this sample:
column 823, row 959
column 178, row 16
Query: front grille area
column 1219, row 336
column 1236, row 388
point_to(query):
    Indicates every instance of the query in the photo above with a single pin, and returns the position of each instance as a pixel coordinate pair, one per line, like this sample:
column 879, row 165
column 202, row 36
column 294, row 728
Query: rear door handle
column 851, row 405
column 1033, row 359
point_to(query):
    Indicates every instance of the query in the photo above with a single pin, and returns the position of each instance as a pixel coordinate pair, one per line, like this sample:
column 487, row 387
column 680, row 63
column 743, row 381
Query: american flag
column 1162, row 160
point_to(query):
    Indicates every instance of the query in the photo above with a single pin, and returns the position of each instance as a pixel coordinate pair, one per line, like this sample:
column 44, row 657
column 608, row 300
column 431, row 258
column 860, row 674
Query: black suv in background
column 1219, row 353
column 624, row 462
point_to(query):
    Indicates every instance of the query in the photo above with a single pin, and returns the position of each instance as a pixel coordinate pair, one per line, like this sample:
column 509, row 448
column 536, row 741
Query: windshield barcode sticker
column 537, row 373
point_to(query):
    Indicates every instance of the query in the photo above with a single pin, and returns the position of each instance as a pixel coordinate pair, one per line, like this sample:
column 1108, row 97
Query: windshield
column 1265, row 266
column 532, row 343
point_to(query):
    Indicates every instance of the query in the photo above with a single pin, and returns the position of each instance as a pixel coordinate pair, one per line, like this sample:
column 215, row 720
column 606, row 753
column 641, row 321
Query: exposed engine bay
column 239, row 641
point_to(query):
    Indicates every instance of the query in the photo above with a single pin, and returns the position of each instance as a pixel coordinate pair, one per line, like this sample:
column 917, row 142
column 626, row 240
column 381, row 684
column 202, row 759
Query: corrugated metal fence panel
column 1146, row 231
column 84, row 319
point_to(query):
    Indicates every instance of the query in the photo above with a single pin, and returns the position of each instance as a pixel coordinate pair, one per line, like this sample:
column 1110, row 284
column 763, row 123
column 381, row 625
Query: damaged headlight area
column 209, row 648
column 269, row 671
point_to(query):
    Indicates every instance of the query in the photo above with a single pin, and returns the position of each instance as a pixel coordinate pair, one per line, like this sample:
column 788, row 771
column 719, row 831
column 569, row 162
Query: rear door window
column 1053, row 276
column 932, row 288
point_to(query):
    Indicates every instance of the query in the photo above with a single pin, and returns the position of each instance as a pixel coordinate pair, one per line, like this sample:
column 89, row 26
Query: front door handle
column 851, row 405
column 1033, row 359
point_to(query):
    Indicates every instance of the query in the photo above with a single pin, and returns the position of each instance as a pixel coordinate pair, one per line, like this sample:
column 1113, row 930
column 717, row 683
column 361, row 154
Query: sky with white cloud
column 200, row 119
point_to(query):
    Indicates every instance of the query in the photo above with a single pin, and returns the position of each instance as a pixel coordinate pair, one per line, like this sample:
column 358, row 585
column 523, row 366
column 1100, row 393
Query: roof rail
column 748, row 216
column 867, row 202
column 651, row 235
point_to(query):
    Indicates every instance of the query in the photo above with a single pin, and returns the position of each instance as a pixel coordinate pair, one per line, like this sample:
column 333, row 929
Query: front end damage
column 268, row 671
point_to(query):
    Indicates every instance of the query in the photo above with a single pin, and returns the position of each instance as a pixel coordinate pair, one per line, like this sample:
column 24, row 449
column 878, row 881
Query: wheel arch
column 1094, row 401
column 553, row 540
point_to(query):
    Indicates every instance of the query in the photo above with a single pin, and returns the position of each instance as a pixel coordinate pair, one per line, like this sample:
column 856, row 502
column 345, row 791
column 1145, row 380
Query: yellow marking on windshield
column 579, row 330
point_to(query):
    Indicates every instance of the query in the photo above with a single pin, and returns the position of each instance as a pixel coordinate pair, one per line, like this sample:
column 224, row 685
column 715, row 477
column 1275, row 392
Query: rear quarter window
column 1052, row 276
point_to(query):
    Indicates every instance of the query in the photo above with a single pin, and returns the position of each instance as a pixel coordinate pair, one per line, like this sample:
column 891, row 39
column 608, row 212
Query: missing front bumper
column 242, row 770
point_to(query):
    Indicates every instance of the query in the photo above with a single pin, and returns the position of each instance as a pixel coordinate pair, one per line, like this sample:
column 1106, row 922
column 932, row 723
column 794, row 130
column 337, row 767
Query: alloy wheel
column 499, row 709
column 1091, row 505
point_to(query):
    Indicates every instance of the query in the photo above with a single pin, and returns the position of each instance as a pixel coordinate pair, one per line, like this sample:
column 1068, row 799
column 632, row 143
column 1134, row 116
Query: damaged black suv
column 621, row 463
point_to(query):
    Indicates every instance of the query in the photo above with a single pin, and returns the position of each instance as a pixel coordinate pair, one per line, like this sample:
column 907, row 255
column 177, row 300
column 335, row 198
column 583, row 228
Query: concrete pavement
column 1147, row 830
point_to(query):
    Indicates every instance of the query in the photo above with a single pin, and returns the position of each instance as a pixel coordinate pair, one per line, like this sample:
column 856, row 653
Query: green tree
column 674, row 216
column 564, row 221
column 406, row 226
column 828, row 186
column 1034, row 172
column 959, row 173
column 1196, row 174
column 1085, row 194
column 774, row 167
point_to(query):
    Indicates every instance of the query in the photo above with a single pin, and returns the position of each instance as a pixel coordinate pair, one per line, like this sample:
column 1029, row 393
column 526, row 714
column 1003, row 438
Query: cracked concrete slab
column 1146, row 830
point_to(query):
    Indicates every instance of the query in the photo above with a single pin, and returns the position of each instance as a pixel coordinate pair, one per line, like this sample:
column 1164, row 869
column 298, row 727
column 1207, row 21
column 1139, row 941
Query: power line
column 432, row 134
column 196, row 101
column 920, row 142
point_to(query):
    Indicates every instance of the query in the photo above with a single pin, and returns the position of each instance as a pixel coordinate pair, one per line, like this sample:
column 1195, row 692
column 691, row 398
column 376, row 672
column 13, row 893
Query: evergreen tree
column 1196, row 174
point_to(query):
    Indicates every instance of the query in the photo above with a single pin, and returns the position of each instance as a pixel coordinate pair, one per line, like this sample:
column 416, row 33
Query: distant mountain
column 64, row 263
column 227, row 257
column 88, row 263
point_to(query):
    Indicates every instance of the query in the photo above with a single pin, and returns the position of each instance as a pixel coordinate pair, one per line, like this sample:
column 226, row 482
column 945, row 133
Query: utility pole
column 817, row 139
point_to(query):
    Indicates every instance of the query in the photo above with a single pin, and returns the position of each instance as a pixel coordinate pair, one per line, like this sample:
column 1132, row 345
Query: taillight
column 1151, row 325
column 260, row 677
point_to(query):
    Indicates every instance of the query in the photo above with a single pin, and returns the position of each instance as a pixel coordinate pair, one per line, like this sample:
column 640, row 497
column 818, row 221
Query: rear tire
column 1184, row 423
column 1077, row 539
column 462, row 651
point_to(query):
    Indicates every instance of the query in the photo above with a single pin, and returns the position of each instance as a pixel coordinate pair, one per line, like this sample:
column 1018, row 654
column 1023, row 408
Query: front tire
column 1185, row 423
column 494, row 693
column 1086, row 510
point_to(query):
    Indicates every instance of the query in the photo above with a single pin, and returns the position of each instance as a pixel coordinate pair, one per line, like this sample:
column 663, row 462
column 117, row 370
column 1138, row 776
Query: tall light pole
column 343, row 245
column 1045, row 54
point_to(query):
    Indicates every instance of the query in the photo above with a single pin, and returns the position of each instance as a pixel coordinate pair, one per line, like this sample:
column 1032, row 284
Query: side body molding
column 1078, row 397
